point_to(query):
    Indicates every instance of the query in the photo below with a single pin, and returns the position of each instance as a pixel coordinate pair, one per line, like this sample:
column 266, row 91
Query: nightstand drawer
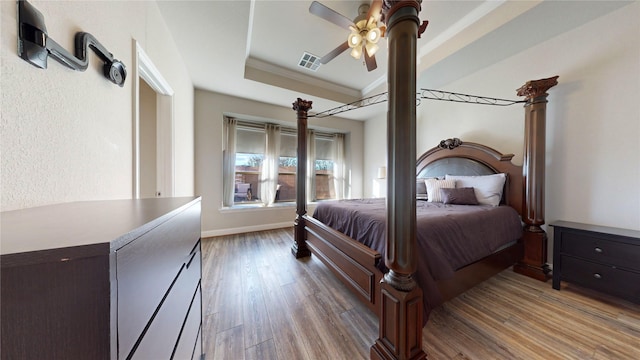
column 605, row 278
column 597, row 248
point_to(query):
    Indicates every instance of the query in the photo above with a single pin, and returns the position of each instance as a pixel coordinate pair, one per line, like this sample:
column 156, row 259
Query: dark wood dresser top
column 101, row 225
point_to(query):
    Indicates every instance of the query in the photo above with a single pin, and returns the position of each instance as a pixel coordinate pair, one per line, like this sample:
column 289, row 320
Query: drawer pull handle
column 598, row 250
column 597, row 276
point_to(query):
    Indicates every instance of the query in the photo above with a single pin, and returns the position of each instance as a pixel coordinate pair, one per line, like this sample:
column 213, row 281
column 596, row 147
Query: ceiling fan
column 366, row 30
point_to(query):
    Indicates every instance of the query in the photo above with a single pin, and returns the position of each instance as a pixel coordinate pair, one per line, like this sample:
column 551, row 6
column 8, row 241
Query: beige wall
column 148, row 141
column 593, row 119
column 209, row 111
column 66, row 135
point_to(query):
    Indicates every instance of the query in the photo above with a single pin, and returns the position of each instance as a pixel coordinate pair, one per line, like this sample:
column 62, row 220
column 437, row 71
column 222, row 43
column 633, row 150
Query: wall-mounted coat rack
column 35, row 46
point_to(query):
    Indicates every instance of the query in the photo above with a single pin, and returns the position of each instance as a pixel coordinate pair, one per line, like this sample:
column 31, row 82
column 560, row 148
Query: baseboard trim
column 246, row 229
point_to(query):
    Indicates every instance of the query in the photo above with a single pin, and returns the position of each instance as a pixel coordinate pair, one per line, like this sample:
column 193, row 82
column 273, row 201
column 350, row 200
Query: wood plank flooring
column 259, row 302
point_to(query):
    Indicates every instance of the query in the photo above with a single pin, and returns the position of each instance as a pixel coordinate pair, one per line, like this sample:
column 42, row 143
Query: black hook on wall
column 34, row 46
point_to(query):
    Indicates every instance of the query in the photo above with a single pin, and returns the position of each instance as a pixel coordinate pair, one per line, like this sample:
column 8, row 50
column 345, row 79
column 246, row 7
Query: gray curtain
column 311, row 165
column 339, row 171
column 229, row 161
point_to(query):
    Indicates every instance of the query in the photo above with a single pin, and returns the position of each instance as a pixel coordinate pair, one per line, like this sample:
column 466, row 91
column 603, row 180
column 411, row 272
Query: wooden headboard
column 455, row 157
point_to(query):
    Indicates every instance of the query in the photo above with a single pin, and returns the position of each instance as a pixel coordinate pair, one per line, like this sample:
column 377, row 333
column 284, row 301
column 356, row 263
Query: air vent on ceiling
column 309, row 61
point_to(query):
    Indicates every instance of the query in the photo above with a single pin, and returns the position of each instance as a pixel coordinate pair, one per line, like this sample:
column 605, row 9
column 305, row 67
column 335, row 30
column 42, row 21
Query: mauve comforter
column 449, row 237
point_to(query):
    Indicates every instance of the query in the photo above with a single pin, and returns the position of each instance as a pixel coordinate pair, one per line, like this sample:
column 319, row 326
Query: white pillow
column 433, row 188
column 488, row 188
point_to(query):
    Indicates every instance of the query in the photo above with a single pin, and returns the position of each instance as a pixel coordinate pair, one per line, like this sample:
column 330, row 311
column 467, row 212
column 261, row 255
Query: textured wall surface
column 67, row 135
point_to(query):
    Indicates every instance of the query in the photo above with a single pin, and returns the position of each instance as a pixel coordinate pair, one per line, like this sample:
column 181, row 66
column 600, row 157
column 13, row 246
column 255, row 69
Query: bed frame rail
column 473, row 274
column 352, row 262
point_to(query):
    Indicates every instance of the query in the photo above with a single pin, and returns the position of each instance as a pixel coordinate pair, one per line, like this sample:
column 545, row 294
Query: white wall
column 67, row 136
column 593, row 119
column 209, row 112
column 375, row 153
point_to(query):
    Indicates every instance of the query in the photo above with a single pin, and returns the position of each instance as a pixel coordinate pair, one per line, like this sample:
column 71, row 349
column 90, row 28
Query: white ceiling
column 251, row 49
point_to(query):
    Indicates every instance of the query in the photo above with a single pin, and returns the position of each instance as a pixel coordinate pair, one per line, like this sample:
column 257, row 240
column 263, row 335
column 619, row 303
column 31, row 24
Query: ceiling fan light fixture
column 373, row 35
column 371, row 22
column 372, row 48
column 356, row 52
column 354, row 39
column 365, row 31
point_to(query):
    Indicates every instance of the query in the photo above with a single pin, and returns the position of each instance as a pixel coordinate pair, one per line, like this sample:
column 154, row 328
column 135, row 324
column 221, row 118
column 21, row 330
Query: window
column 287, row 165
column 252, row 179
column 325, row 186
column 250, row 144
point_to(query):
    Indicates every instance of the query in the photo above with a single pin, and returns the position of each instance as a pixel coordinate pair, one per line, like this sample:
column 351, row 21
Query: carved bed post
column 299, row 248
column 400, row 317
column 534, row 263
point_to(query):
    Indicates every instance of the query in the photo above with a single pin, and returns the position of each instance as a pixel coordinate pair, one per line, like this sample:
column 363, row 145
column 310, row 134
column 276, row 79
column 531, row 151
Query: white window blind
column 288, row 145
column 324, row 148
column 250, row 141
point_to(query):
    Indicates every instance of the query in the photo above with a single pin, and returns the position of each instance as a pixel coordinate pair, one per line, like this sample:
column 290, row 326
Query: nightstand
column 601, row 258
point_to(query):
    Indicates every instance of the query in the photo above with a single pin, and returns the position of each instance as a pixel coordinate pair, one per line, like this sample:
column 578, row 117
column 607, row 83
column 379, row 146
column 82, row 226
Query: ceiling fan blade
column 370, row 61
column 375, row 10
column 335, row 52
column 330, row 15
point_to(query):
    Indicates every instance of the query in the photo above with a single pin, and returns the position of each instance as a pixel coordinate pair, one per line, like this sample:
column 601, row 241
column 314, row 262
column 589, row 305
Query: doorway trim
column 143, row 68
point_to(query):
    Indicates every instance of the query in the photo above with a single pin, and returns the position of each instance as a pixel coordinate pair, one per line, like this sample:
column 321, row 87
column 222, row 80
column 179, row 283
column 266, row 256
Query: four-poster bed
column 358, row 266
column 347, row 235
column 394, row 295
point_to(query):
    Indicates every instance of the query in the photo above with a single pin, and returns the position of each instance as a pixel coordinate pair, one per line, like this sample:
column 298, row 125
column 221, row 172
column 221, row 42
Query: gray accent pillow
column 459, row 196
column 421, row 187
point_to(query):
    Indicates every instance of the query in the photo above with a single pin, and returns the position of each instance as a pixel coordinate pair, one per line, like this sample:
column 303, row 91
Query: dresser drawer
column 605, row 278
column 597, row 248
column 162, row 335
column 147, row 267
column 187, row 347
column 197, row 351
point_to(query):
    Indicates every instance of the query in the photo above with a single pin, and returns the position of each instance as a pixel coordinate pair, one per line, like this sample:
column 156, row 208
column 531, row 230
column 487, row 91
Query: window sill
column 260, row 207
column 257, row 207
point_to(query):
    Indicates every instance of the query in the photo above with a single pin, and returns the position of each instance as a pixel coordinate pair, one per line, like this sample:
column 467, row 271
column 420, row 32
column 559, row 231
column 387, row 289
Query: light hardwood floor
column 259, row 302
